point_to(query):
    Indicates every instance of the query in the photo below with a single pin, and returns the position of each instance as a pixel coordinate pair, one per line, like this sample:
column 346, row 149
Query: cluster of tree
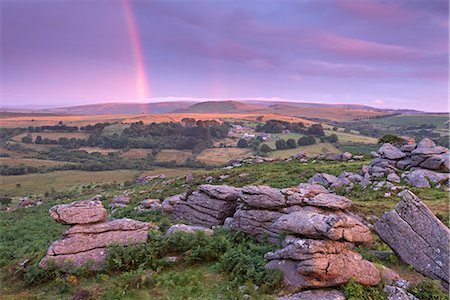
column 7, row 133
column 282, row 144
column 332, row 138
column 96, row 128
column 316, row 130
column 190, row 134
column 276, row 126
column 59, row 127
column 306, row 140
column 253, row 143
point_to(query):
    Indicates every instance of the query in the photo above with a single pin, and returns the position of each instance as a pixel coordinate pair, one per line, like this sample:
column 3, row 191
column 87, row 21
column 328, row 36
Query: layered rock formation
column 209, row 205
column 322, row 233
column 86, row 241
column 417, row 237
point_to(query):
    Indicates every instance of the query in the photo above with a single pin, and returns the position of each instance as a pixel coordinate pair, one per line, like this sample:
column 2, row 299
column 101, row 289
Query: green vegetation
column 435, row 119
column 356, row 291
column 429, row 290
column 390, row 139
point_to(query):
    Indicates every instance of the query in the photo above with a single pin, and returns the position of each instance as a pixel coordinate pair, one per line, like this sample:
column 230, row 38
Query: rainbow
column 142, row 82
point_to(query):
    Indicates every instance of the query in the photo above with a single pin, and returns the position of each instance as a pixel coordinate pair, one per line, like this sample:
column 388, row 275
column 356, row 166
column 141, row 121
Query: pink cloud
column 375, row 9
column 353, row 47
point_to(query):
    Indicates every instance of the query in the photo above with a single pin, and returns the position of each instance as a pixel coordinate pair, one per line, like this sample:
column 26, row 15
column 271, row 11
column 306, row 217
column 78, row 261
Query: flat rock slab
column 317, row 294
column 79, row 212
column 330, row 201
column 334, row 225
column 390, row 152
column 417, row 237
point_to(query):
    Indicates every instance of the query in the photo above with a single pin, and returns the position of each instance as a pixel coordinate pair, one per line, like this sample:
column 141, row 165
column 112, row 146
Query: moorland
column 68, row 154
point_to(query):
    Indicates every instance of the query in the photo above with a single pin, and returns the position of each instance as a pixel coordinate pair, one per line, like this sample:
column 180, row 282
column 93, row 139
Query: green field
column 36, row 184
column 345, row 138
column 310, row 150
column 436, row 119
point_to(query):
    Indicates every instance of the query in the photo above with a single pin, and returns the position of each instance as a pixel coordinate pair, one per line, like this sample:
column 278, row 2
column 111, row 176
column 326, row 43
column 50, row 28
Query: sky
column 381, row 53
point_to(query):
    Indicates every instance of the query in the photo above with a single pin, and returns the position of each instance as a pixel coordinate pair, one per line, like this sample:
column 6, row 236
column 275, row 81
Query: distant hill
column 122, row 108
column 221, row 107
column 286, row 104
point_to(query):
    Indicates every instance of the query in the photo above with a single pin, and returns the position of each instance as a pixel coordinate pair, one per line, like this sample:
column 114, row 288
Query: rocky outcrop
column 209, row 205
column 413, row 224
column 120, row 201
column 312, row 263
column 86, row 242
column 322, row 232
column 79, row 212
column 334, row 156
column 147, row 178
column 423, row 165
column 169, row 202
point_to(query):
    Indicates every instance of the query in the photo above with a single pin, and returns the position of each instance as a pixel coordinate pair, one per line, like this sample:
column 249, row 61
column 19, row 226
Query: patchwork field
column 170, row 154
column 220, row 156
column 38, row 120
column 352, row 138
column 436, row 119
column 310, row 150
column 7, row 161
column 136, row 153
column 330, row 114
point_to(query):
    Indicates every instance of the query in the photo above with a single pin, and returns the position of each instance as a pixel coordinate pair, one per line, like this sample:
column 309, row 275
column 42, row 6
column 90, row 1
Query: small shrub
column 5, row 201
column 356, row 291
column 429, row 290
column 391, row 139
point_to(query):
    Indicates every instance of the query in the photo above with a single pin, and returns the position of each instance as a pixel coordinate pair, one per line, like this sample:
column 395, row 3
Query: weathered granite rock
column 392, row 177
column 421, row 177
column 79, row 212
column 151, row 204
column 429, row 151
column 404, row 163
column 262, row 197
column 313, row 189
column 390, row 152
column 438, row 162
column 169, row 202
column 330, row 201
column 316, row 294
column 346, row 156
column 188, row 229
column 417, row 237
column 397, row 293
column 86, row 243
column 258, row 223
column 209, row 205
column 307, row 263
column 408, row 147
column 324, row 224
column 426, row 143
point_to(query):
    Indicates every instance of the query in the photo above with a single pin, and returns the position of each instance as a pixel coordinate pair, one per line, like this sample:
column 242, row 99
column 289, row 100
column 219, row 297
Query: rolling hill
column 221, row 107
column 122, row 108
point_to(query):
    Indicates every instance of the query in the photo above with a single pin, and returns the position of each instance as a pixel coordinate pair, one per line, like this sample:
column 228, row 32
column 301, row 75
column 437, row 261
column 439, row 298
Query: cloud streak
column 78, row 51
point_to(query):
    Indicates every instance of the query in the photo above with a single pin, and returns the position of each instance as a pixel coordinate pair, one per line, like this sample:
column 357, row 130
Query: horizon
column 337, row 52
